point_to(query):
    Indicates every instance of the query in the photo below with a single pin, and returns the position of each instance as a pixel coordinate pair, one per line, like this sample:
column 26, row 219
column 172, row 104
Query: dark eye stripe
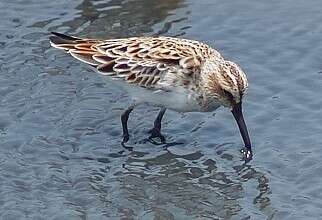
column 229, row 95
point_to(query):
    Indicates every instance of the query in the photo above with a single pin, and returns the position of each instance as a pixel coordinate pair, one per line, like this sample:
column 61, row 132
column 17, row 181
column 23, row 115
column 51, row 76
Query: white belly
column 180, row 102
column 178, row 99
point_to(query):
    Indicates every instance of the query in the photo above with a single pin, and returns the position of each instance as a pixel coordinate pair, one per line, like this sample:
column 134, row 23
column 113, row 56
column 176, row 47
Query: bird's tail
column 81, row 49
column 62, row 41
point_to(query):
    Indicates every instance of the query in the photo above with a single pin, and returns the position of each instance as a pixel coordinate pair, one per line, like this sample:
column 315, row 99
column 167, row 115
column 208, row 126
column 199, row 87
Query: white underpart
column 177, row 99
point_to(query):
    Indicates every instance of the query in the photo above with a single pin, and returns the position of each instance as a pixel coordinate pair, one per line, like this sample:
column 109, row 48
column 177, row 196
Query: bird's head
column 229, row 84
column 226, row 84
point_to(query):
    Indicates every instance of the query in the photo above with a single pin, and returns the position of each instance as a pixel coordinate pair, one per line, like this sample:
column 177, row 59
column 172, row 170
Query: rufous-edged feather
column 138, row 60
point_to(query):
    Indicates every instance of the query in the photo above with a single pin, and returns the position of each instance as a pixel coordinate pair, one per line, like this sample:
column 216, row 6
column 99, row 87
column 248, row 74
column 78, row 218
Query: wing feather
column 138, row 60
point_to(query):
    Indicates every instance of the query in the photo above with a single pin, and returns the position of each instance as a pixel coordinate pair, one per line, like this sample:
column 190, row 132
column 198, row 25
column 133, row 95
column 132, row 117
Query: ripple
column 60, row 132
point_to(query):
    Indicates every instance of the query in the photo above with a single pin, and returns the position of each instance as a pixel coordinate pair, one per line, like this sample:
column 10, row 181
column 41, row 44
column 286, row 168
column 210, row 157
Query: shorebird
column 179, row 74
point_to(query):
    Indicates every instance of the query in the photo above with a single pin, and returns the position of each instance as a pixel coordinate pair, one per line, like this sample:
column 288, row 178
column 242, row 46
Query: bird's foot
column 247, row 154
column 124, row 141
column 126, row 138
column 156, row 133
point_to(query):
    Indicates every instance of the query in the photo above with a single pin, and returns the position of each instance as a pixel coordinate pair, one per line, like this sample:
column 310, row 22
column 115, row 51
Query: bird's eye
column 229, row 95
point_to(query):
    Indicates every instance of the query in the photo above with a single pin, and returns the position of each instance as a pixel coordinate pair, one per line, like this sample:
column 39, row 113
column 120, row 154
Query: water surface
column 60, row 132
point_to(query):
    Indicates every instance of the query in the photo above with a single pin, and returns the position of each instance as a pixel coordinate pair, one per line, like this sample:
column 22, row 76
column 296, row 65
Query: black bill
column 238, row 115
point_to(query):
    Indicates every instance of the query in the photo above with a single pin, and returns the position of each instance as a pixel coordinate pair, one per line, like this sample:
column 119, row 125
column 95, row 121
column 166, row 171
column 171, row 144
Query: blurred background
column 60, row 132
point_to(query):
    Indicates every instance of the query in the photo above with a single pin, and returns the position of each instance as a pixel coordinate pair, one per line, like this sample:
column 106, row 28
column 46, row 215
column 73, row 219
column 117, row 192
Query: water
column 60, row 153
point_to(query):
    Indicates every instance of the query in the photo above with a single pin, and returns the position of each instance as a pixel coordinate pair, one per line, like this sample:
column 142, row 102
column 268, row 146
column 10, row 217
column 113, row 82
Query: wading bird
column 179, row 74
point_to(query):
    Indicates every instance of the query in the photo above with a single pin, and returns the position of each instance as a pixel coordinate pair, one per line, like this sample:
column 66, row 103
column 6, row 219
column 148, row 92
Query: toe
column 155, row 133
column 125, row 138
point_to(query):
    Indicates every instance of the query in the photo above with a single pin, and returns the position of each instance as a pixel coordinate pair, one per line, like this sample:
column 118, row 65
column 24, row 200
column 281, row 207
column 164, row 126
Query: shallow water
column 60, row 152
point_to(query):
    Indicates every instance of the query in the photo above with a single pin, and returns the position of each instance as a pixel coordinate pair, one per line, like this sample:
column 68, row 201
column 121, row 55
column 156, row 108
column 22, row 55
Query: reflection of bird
column 178, row 74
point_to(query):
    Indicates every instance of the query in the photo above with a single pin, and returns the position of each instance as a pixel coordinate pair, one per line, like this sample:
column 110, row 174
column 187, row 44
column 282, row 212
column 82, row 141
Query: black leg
column 124, row 119
column 156, row 130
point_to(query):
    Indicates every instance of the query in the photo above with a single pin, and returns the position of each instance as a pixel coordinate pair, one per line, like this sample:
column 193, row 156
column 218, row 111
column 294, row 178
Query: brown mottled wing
column 141, row 61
